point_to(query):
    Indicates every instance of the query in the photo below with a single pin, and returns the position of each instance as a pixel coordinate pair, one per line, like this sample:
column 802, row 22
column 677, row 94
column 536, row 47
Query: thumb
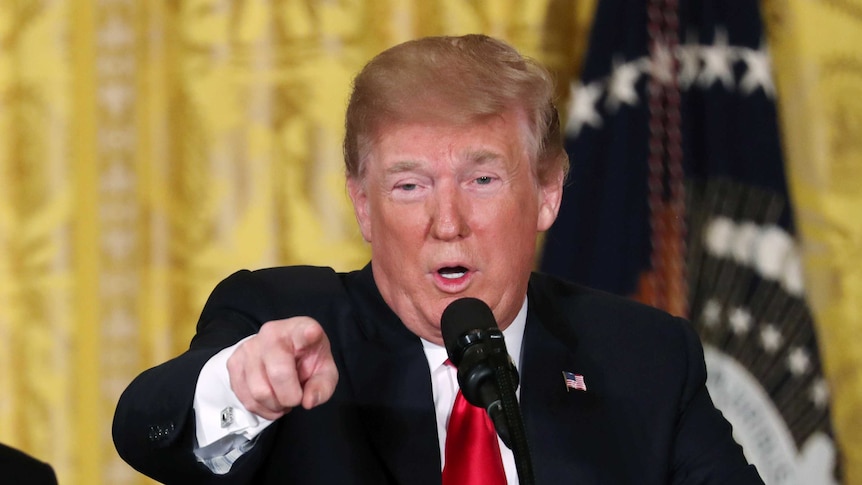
column 319, row 387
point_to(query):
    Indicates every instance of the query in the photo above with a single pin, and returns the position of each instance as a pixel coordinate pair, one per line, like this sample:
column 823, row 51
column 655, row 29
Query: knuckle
column 268, row 330
column 260, row 392
column 280, row 374
column 235, row 363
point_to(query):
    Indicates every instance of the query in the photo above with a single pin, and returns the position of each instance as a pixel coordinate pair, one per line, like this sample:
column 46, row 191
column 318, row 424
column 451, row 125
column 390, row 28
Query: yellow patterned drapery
column 148, row 149
column 817, row 56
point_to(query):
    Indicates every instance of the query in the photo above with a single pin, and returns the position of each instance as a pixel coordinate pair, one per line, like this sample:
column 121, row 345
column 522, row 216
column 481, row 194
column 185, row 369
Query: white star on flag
column 819, row 393
column 582, row 107
column 717, row 65
column 798, row 362
column 689, row 61
column 624, row 76
column 770, row 338
column 759, row 72
column 711, row 313
column 740, row 321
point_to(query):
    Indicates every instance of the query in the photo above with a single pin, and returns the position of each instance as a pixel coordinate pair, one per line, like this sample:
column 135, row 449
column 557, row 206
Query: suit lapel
column 388, row 372
column 563, row 425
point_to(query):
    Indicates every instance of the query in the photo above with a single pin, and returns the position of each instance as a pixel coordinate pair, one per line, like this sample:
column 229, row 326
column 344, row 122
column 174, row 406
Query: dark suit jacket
column 19, row 467
column 646, row 417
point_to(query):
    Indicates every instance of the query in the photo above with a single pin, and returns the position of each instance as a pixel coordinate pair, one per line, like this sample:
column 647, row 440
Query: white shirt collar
column 444, row 385
column 513, row 336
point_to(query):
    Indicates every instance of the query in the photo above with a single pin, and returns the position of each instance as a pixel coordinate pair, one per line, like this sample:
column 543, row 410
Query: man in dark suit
column 19, row 467
column 302, row 375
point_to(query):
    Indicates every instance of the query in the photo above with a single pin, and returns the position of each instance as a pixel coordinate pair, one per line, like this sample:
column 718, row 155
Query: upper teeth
column 453, row 276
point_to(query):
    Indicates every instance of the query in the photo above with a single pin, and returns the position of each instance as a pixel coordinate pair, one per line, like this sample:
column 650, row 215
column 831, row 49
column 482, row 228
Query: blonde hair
column 454, row 80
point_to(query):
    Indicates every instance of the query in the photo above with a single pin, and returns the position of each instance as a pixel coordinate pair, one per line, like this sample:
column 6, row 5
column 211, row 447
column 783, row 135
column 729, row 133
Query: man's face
column 452, row 211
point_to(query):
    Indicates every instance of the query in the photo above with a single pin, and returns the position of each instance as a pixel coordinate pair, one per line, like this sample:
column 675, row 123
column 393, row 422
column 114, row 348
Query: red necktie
column 472, row 451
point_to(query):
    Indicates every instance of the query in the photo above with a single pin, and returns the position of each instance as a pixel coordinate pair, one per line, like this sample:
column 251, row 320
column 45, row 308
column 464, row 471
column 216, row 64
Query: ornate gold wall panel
column 149, row 149
column 817, row 52
column 37, row 296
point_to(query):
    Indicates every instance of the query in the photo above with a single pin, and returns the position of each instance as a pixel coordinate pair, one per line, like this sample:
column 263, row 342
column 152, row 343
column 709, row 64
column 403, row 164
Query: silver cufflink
column 226, row 417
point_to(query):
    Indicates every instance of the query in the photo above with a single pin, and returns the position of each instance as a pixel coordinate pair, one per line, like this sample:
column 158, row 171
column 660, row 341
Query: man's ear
column 356, row 189
column 550, row 198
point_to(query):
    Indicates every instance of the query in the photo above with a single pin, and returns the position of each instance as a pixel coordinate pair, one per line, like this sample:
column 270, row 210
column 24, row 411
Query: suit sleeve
column 704, row 449
column 153, row 426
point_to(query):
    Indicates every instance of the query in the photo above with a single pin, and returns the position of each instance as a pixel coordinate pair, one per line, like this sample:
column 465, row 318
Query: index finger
column 308, row 337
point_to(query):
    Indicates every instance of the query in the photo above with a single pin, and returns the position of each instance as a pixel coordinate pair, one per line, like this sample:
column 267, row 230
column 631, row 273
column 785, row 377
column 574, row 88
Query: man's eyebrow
column 402, row 166
column 477, row 157
column 482, row 157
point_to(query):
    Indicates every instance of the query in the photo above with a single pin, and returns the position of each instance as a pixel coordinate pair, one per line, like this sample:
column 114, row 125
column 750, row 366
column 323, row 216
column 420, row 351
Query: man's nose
column 449, row 214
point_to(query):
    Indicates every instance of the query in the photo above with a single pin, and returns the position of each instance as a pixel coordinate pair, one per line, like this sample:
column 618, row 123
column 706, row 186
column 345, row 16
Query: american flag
column 703, row 68
column 574, row 381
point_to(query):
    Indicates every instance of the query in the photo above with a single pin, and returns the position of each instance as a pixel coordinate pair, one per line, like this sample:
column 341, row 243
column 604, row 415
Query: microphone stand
column 512, row 411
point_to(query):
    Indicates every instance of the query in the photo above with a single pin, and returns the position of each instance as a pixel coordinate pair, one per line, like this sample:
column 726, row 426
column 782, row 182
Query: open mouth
column 452, row 272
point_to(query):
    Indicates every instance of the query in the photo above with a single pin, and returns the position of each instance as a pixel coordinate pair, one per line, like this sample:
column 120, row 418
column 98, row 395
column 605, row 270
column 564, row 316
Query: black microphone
column 476, row 348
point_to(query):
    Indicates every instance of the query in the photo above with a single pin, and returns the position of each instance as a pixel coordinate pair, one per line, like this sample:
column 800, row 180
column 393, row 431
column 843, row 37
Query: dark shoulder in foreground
column 19, row 467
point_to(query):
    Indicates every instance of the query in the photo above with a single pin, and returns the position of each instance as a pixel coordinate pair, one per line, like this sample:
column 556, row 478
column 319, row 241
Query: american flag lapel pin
column 574, row 381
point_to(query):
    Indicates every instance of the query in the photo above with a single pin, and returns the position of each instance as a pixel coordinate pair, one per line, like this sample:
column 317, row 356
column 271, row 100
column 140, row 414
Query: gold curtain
column 817, row 56
column 149, row 149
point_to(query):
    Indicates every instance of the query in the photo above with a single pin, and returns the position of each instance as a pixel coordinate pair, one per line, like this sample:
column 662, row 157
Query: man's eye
column 407, row 187
column 484, row 180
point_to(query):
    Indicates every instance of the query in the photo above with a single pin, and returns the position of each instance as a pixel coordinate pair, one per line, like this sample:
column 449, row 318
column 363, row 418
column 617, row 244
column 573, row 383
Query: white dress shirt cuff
column 223, row 426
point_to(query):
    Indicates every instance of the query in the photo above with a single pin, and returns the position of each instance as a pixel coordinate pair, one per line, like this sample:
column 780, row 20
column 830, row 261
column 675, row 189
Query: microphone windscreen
column 460, row 317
